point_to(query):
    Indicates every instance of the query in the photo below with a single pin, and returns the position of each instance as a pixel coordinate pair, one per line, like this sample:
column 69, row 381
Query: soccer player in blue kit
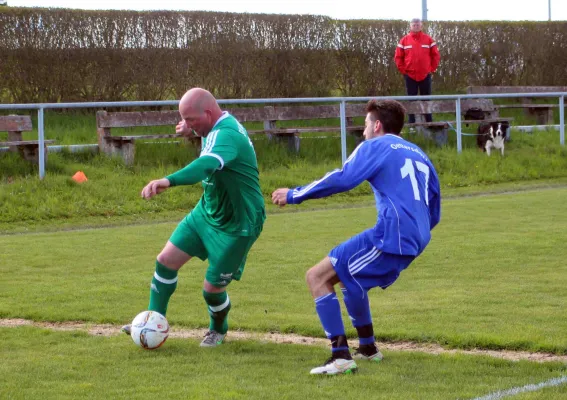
column 408, row 199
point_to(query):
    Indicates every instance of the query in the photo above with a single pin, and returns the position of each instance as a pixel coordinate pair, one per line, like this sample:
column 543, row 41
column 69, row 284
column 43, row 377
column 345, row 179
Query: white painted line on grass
column 522, row 389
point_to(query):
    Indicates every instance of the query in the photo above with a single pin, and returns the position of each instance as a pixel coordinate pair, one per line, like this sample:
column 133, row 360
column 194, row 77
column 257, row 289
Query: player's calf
column 218, row 305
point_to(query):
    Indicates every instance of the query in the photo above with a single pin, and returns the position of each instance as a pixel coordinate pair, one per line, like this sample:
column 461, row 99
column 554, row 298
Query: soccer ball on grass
column 149, row 330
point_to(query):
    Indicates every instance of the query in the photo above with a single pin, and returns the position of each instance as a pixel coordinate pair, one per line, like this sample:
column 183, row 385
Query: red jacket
column 417, row 55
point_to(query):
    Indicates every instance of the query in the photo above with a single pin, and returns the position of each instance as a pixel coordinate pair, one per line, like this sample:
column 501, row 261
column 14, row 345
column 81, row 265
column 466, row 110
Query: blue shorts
column 361, row 266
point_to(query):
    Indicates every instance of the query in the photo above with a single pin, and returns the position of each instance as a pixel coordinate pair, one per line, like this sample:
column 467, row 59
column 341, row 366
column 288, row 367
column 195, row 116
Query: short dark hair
column 390, row 113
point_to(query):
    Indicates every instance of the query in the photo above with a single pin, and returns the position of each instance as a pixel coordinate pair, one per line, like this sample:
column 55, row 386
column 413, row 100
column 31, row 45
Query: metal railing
column 341, row 100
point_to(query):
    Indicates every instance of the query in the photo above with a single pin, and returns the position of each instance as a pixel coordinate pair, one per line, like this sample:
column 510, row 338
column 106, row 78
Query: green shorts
column 226, row 253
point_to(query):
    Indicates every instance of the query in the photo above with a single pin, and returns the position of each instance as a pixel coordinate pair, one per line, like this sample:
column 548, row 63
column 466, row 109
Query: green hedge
column 51, row 55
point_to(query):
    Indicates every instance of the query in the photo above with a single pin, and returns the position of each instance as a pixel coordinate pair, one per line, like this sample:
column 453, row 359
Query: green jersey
column 232, row 200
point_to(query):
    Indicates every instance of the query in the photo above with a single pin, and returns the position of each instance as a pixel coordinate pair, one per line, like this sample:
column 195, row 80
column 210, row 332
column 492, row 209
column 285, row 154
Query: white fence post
column 562, row 120
column 41, row 144
column 458, row 119
column 343, row 131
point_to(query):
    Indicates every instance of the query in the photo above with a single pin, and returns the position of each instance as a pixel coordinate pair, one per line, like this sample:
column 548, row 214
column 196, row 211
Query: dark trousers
column 424, row 89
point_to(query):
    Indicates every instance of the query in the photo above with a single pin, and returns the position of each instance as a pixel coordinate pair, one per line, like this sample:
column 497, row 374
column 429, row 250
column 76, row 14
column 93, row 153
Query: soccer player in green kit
column 226, row 221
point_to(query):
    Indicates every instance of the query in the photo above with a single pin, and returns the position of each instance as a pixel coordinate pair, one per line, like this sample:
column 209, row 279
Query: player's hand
column 183, row 129
column 155, row 187
column 279, row 197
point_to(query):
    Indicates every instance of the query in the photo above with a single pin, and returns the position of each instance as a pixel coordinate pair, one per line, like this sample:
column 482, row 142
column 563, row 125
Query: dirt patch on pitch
column 283, row 338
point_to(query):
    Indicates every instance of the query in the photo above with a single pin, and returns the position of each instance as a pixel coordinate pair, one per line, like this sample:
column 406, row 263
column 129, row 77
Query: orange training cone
column 80, row 177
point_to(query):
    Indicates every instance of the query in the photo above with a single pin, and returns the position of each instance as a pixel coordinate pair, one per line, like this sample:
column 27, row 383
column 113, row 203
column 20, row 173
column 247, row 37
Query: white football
column 149, row 330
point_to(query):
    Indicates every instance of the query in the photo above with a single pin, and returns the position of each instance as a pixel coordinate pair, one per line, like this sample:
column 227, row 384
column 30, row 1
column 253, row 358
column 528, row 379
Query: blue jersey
column 405, row 185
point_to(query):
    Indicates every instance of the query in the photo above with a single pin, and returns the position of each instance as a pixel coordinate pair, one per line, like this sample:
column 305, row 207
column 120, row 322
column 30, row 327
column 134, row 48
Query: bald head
column 198, row 99
column 200, row 110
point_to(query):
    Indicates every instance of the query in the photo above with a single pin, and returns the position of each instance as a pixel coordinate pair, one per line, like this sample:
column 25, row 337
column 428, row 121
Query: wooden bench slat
column 514, row 89
column 15, row 123
column 25, row 142
column 284, row 131
column 155, row 136
column 526, row 105
column 290, row 113
column 282, row 113
column 446, row 106
column 287, row 113
column 142, row 118
column 441, row 124
column 478, row 121
column 281, row 131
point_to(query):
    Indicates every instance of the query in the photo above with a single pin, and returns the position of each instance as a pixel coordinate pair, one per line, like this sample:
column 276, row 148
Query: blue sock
column 329, row 311
column 359, row 312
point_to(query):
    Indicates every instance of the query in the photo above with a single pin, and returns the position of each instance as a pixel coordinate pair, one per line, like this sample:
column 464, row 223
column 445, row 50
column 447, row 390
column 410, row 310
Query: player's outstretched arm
column 357, row 168
column 198, row 170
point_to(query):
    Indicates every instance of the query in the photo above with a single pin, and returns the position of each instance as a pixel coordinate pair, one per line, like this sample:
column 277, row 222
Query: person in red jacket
column 417, row 57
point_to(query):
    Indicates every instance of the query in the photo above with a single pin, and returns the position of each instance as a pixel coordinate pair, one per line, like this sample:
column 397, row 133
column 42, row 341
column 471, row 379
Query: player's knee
column 312, row 277
column 172, row 257
column 167, row 259
column 210, row 288
column 162, row 259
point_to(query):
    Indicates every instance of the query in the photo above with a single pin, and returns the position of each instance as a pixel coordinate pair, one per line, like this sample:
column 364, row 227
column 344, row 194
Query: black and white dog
column 492, row 135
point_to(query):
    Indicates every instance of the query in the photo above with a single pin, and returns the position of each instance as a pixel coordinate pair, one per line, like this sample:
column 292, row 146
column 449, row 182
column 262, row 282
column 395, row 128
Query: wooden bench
column 542, row 112
column 436, row 130
column 269, row 116
column 439, row 130
column 124, row 145
column 15, row 125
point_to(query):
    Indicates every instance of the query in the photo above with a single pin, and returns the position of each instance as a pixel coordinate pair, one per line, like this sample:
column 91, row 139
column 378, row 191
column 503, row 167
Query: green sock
column 219, row 306
column 163, row 286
